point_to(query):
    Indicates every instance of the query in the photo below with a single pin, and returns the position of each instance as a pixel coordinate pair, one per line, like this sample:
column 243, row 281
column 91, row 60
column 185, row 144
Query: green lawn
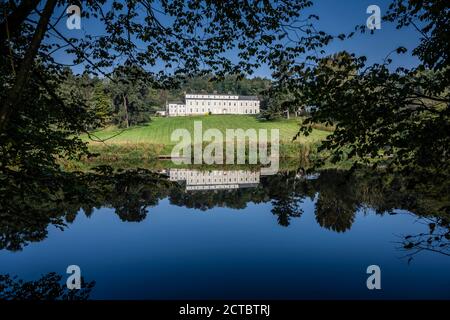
column 159, row 130
column 141, row 146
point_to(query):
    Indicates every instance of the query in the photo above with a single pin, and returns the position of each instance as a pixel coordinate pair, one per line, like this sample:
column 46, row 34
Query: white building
column 201, row 104
column 215, row 179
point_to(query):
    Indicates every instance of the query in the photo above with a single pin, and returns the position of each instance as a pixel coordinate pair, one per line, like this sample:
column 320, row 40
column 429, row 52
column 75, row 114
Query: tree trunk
column 13, row 22
column 26, row 67
column 125, row 107
column 287, row 113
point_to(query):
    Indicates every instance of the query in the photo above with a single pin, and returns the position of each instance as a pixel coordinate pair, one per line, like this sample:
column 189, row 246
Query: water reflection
column 338, row 196
column 436, row 239
column 214, row 179
column 50, row 286
column 286, row 208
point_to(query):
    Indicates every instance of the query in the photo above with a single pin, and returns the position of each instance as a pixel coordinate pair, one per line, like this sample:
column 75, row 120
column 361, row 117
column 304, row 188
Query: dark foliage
column 48, row 287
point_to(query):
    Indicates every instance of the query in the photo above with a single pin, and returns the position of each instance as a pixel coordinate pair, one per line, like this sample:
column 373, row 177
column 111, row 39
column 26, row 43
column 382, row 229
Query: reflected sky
column 178, row 252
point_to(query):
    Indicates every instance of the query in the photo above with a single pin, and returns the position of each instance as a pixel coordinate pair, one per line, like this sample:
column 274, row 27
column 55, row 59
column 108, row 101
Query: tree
column 48, row 287
column 278, row 103
column 399, row 117
column 101, row 104
column 129, row 95
column 39, row 121
column 13, row 98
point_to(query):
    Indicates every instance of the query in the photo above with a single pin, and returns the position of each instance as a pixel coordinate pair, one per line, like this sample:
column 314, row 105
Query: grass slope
column 159, row 130
column 142, row 145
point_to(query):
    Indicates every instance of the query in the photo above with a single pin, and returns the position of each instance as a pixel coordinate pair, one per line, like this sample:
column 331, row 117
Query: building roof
column 219, row 95
column 175, row 102
column 248, row 98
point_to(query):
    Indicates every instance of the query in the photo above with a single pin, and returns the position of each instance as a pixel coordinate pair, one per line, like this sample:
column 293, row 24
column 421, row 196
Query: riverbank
column 144, row 145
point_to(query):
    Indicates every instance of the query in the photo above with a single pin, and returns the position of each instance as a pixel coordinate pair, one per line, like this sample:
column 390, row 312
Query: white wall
column 216, row 104
column 216, row 179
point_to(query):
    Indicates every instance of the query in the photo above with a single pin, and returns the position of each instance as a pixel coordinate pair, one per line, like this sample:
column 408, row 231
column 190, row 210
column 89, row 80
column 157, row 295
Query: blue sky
column 335, row 17
column 342, row 16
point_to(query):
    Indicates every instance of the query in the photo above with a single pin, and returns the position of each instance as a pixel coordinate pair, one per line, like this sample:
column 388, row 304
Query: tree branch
column 13, row 98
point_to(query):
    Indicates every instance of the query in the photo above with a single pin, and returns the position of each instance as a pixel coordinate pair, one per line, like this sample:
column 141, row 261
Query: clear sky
column 341, row 16
column 336, row 16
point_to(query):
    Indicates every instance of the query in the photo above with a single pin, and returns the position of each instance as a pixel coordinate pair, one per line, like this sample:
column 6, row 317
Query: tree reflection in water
column 49, row 287
column 437, row 239
column 28, row 207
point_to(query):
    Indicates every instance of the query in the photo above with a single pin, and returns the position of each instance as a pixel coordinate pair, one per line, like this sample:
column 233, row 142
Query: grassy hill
column 145, row 143
column 159, row 130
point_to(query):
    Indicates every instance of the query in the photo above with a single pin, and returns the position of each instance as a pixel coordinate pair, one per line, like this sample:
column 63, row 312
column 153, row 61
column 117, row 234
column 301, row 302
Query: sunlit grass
column 159, row 130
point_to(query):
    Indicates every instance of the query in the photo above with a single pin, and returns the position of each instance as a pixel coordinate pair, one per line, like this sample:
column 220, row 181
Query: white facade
column 175, row 109
column 215, row 179
column 201, row 104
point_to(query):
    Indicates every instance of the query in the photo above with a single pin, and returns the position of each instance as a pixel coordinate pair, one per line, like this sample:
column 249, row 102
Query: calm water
column 245, row 235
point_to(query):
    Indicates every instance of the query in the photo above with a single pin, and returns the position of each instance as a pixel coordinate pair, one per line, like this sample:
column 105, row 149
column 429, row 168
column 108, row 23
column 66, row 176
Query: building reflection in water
column 217, row 179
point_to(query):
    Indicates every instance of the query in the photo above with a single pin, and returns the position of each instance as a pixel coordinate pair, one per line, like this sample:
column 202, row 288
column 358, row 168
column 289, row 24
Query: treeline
column 126, row 99
column 339, row 195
